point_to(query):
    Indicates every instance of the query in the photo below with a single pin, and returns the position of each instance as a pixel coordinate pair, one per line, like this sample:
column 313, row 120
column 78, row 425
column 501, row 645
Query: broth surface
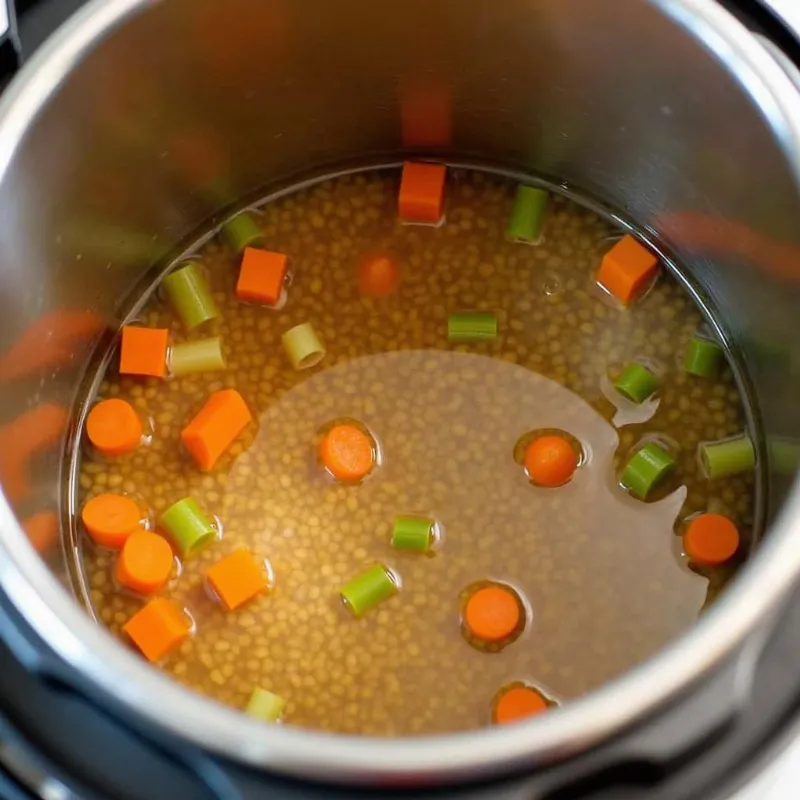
column 602, row 573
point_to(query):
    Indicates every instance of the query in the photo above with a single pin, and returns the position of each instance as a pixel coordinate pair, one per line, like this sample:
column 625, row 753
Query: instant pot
column 138, row 122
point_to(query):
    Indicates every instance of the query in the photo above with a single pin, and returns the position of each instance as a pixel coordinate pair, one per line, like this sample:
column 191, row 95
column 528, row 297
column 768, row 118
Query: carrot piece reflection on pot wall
column 23, row 439
column 59, row 338
column 426, row 113
column 715, row 234
column 244, row 38
column 42, row 530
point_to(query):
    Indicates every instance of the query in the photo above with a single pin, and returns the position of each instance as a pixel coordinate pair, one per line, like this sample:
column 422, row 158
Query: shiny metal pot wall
column 141, row 121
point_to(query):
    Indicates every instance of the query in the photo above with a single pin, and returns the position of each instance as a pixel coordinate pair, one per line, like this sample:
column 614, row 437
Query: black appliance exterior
column 10, row 47
column 59, row 739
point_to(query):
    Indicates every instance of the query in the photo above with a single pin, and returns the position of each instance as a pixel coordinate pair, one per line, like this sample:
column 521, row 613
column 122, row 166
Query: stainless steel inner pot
column 140, row 122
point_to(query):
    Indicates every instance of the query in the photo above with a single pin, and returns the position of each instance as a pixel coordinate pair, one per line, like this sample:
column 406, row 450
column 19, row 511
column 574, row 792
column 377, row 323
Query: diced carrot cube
column 422, row 192
column 237, row 578
column 627, row 269
column 261, row 276
column 224, row 416
column 157, row 628
column 144, row 351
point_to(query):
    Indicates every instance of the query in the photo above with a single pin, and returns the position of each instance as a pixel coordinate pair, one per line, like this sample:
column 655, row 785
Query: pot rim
column 131, row 685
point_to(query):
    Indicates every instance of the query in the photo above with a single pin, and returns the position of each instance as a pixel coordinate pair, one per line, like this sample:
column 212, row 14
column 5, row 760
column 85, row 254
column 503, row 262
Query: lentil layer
column 602, row 574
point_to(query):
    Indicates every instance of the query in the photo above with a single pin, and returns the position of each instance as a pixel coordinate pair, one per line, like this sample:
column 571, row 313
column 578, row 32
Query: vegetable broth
column 601, row 573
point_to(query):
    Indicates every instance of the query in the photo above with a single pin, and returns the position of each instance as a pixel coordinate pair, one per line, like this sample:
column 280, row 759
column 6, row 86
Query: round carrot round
column 517, row 703
column 710, row 539
column 114, row 427
column 492, row 613
column 550, row 461
column 145, row 563
column 378, row 276
column 111, row 518
column 347, row 452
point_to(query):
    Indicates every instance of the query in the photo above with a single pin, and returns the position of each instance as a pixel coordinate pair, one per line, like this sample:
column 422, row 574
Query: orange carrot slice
column 42, row 530
column 237, row 578
column 517, row 703
column 378, row 276
column 347, row 452
column 114, row 427
column 550, row 461
column 422, row 192
column 492, row 613
column 143, row 351
column 711, row 539
column 145, row 563
column 157, row 628
column 111, row 518
column 261, row 276
column 627, row 269
column 212, row 431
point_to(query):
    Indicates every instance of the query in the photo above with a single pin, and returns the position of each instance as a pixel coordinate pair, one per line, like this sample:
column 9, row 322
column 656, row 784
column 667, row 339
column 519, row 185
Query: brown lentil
column 601, row 572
